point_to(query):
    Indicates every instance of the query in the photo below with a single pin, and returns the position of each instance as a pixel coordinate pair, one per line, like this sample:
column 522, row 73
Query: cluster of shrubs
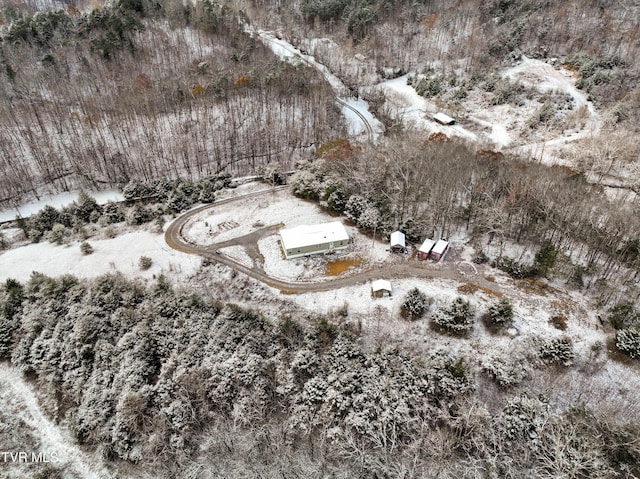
column 371, row 213
column 459, row 316
column 543, row 263
column 558, row 351
column 177, row 194
column 109, row 29
column 594, row 72
column 625, row 318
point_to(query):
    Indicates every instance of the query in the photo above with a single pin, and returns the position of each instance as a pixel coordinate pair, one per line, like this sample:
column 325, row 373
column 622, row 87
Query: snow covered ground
column 121, row 253
column 55, row 444
column 228, row 221
column 416, row 111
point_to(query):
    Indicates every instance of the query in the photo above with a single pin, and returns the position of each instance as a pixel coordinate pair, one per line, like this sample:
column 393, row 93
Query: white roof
column 308, row 235
column 442, row 118
column 380, row 285
column 426, row 246
column 440, row 246
column 397, row 238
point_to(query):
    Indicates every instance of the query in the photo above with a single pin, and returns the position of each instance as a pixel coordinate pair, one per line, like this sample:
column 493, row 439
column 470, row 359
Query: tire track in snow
column 53, row 439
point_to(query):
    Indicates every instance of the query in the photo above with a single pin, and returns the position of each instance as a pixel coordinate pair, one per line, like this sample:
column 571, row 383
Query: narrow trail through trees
column 55, row 443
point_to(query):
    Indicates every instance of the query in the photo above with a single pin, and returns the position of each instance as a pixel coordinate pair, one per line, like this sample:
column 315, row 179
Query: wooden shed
column 439, row 250
column 380, row 288
column 425, row 249
column 398, row 242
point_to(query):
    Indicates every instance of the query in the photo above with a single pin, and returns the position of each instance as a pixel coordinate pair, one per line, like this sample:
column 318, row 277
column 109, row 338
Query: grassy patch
column 472, row 288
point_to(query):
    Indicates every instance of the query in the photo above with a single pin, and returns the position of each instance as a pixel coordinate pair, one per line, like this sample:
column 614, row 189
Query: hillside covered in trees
column 162, row 381
column 219, row 375
column 145, row 91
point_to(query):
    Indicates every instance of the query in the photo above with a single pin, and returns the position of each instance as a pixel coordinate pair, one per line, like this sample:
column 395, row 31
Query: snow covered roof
column 444, row 119
column 381, row 285
column 308, row 235
column 426, row 246
column 440, row 246
column 397, row 239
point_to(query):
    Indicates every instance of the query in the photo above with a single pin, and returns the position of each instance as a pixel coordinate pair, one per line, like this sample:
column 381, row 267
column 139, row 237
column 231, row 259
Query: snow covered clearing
column 545, row 78
column 228, row 221
column 110, row 255
column 416, row 111
column 55, row 443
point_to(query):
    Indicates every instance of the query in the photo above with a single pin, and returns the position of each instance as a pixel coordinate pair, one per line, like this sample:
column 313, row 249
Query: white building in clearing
column 313, row 239
column 397, row 242
column 444, row 119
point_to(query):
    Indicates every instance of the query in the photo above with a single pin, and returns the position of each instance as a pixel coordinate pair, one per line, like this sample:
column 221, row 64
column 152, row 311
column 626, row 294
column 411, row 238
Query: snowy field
column 121, row 253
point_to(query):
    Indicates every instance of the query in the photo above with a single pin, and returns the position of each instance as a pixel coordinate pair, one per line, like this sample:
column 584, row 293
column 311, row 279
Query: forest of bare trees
column 128, row 92
column 600, row 39
column 172, row 100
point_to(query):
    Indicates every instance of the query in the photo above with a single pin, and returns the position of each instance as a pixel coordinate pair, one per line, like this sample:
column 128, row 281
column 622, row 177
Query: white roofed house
column 398, row 243
column 313, row 239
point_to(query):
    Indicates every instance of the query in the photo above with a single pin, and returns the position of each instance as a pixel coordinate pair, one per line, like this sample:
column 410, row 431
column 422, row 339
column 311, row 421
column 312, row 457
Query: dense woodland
column 439, row 188
column 599, row 39
column 163, row 381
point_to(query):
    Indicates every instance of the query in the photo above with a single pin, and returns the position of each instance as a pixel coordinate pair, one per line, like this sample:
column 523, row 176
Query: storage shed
column 439, row 250
column 398, row 243
column 313, row 239
column 444, row 119
column 425, row 249
column 380, row 288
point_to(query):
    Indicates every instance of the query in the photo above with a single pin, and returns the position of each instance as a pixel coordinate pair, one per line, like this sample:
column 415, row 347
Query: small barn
column 439, row 250
column 425, row 249
column 321, row 238
column 443, row 119
column 398, row 242
column 380, row 288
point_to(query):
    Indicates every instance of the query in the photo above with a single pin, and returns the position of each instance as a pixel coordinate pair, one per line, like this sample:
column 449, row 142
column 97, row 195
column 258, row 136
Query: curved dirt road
column 176, row 240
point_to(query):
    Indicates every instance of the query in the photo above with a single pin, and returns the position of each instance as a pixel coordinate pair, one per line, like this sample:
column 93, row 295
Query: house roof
column 309, row 235
column 440, row 246
column 426, row 246
column 444, row 119
column 397, row 239
column 381, row 285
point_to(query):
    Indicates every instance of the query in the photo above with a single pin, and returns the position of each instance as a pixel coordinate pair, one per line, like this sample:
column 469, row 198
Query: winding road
column 175, row 238
column 268, row 38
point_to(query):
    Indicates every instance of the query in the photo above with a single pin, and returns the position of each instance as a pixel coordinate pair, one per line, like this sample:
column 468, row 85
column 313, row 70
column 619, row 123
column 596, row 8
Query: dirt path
column 176, row 240
column 53, row 440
